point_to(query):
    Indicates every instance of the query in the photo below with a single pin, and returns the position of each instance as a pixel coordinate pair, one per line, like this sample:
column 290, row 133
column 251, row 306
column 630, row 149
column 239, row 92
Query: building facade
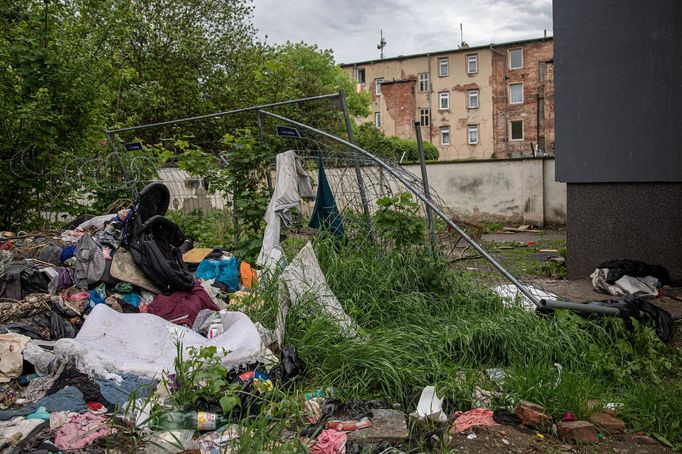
column 460, row 100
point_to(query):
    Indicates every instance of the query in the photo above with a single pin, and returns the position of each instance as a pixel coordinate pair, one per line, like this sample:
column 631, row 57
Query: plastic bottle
column 201, row 420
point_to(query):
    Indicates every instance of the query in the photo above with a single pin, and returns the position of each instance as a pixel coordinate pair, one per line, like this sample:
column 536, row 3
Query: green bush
column 377, row 143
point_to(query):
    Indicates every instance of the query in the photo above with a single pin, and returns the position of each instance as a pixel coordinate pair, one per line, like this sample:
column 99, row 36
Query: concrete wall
column 508, row 191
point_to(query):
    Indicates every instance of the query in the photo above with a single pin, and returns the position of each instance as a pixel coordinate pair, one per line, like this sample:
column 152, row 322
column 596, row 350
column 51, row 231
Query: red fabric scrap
column 182, row 308
column 569, row 416
column 473, row 418
column 330, row 442
column 94, row 405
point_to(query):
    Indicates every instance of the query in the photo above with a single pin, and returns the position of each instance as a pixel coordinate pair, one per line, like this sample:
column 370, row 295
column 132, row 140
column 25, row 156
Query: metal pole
column 522, row 288
column 235, row 218
column 425, row 182
column 222, row 114
column 110, row 139
column 261, row 136
column 358, row 172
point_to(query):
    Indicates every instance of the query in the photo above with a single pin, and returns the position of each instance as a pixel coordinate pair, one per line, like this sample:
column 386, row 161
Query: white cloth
column 293, row 182
column 16, row 429
column 11, row 359
column 626, row 285
column 430, row 406
column 303, row 281
column 111, row 343
column 512, row 296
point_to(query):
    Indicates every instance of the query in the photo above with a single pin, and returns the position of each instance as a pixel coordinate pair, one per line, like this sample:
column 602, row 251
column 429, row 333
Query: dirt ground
column 509, row 439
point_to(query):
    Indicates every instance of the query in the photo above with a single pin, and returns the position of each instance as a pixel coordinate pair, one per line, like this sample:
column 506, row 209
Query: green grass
column 424, row 324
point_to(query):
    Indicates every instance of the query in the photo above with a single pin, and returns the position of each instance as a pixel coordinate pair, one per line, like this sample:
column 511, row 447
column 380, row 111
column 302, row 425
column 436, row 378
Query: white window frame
column 473, row 94
column 445, row 130
column 425, row 114
column 509, row 53
column 424, row 79
column 474, row 129
column 444, row 95
column 511, row 100
column 443, row 63
column 377, row 85
column 542, row 71
column 377, row 120
column 357, row 76
column 472, row 58
column 511, row 129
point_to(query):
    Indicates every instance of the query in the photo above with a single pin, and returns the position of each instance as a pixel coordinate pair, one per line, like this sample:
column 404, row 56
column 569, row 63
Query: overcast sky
column 351, row 27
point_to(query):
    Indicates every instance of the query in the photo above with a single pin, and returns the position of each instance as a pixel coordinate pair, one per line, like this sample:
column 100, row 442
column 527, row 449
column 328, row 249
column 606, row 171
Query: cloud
column 351, row 27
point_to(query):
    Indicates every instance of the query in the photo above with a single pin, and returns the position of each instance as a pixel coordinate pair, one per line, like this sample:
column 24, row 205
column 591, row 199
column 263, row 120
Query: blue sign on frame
column 285, row 131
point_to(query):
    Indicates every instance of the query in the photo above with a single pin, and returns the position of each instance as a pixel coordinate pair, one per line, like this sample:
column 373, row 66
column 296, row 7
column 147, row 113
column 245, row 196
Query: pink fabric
column 330, row 441
column 473, row 418
column 182, row 308
column 81, row 430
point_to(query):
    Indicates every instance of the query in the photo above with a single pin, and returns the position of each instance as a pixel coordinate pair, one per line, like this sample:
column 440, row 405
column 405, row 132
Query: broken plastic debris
column 429, row 406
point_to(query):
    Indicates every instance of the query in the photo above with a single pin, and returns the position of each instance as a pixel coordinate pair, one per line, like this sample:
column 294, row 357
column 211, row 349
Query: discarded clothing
column 512, row 296
column 16, row 429
column 325, row 214
column 293, row 183
column 182, row 308
column 47, row 325
column 223, row 270
column 302, row 279
column 11, row 359
column 66, row 399
column 110, row 343
column 97, row 222
column 472, row 418
column 21, row 279
column 42, row 360
column 635, row 268
column 118, row 393
column 247, row 276
column 81, row 430
column 89, row 388
column 642, row 310
column 67, row 253
column 625, row 285
column 90, row 266
column 330, row 441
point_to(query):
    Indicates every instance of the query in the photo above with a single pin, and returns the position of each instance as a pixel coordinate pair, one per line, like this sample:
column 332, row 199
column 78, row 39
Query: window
column 515, row 93
column 472, row 63
column 541, row 108
column 443, row 101
column 542, row 68
column 377, row 84
column 424, row 82
column 443, row 67
column 515, row 58
column 516, row 129
column 473, row 134
column 472, row 99
column 424, row 117
column 361, row 76
column 445, row 136
column 377, row 119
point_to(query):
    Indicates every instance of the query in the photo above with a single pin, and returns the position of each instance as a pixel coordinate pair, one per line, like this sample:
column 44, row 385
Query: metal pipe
column 358, row 172
column 221, row 114
column 425, row 183
column 424, row 199
column 593, row 306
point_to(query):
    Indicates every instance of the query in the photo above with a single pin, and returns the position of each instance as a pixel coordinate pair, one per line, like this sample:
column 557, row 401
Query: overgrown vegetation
column 367, row 136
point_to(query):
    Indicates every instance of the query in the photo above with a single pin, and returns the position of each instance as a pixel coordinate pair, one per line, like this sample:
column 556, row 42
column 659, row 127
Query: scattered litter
column 472, row 436
column 472, row 418
column 512, row 296
column 430, row 407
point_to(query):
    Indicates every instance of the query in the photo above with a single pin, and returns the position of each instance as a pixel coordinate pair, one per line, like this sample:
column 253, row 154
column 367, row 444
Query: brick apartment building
column 472, row 103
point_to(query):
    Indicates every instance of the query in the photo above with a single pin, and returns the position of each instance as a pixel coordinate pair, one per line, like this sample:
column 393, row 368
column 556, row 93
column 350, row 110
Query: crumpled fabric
column 10, row 429
column 59, row 418
column 41, row 359
column 325, row 214
column 624, row 285
column 11, row 358
column 182, row 308
column 81, row 430
column 90, row 266
column 511, row 296
column 472, row 418
column 292, row 184
column 635, row 268
column 224, row 270
column 66, row 399
column 304, row 279
column 110, row 343
column 330, row 441
column 118, row 392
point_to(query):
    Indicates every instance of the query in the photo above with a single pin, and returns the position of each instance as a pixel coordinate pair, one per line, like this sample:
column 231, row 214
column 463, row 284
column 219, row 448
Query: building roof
column 441, row 52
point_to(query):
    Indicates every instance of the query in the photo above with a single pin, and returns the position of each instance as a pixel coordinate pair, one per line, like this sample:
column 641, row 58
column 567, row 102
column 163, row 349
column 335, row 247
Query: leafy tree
column 375, row 141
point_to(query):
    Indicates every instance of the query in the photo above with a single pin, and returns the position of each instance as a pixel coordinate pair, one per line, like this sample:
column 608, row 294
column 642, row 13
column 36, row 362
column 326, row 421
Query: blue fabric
column 67, row 253
column 119, row 393
column 69, row 398
column 325, row 214
column 98, row 295
column 131, row 298
column 224, row 271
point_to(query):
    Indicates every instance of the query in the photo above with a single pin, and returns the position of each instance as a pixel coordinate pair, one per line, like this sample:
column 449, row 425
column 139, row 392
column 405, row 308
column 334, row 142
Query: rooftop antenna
column 462, row 44
column 382, row 44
